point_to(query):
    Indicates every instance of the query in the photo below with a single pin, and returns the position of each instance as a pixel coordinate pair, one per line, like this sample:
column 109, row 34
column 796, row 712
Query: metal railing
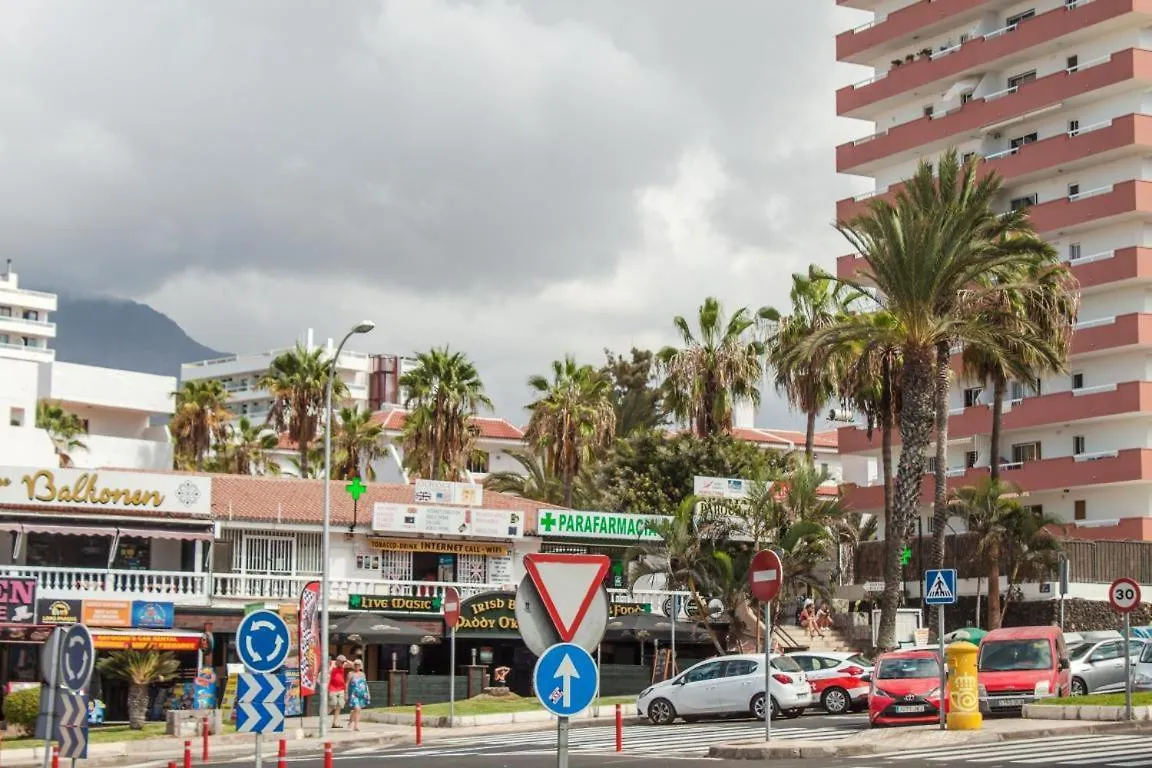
column 1101, row 256
column 88, row 583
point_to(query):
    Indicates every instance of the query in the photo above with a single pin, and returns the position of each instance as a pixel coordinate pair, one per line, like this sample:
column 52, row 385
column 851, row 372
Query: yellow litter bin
column 963, row 687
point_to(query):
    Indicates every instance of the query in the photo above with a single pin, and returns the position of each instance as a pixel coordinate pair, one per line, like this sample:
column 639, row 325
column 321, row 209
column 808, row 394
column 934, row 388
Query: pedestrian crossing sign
column 940, row 586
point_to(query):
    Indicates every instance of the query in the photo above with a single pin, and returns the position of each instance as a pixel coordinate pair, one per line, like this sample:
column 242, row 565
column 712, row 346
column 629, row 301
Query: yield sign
column 567, row 584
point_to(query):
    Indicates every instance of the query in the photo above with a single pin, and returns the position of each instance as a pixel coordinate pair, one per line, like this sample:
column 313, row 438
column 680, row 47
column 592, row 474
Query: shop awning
column 144, row 640
column 76, row 530
column 163, row 533
column 67, row 530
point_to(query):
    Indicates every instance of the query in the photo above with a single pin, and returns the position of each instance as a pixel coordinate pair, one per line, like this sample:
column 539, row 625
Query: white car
column 1143, row 673
column 727, row 685
column 841, row 681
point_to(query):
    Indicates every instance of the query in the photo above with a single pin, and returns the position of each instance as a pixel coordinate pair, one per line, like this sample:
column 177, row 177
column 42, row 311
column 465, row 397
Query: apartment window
column 4, row 338
column 1023, row 202
column 478, row 462
column 1073, row 127
column 1018, row 390
column 16, row 417
column 964, row 37
column 1036, row 510
column 1079, row 445
column 31, row 314
column 1078, row 380
column 1080, row 509
column 1073, row 190
column 967, row 156
column 972, row 396
column 1073, row 63
column 1019, row 141
column 1014, row 20
column 27, row 341
column 931, row 468
column 965, row 97
column 5, row 311
column 970, row 458
column 928, row 110
column 824, row 468
column 1024, row 77
column 1073, row 251
column 1022, row 452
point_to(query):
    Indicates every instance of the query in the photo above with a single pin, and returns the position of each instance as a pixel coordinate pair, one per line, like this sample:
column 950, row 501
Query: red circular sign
column 765, row 576
column 1124, row 594
column 451, row 607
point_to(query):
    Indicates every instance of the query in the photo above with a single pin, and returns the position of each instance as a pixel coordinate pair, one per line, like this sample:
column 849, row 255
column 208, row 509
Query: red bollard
column 171, row 764
column 55, row 756
column 327, row 754
column 419, row 724
column 619, row 729
column 204, row 732
column 283, row 761
column 187, row 753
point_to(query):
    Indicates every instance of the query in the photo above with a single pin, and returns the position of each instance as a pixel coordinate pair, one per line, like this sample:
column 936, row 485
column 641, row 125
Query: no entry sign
column 765, row 576
column 451, row 607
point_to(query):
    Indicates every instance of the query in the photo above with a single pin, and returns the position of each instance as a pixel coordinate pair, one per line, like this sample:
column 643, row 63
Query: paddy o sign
column 37, row 487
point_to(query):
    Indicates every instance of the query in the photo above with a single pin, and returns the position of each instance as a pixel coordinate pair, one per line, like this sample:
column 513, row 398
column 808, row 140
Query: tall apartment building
column 1056, row 97
column 373, row 381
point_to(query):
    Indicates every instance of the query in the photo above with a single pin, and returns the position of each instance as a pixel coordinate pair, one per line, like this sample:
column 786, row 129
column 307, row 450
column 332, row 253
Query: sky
column 519, row 179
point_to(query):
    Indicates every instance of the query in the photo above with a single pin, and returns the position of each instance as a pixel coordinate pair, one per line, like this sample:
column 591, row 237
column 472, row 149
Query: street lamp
column 325, row 574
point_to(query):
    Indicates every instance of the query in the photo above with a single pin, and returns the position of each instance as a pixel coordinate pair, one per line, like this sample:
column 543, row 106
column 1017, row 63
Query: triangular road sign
column 567, row 584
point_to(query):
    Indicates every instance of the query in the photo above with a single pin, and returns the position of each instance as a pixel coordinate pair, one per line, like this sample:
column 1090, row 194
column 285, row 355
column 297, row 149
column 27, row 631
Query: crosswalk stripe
column 1047, row 752
column 1133, row 764
column 1007, row 747
column 1083, row 749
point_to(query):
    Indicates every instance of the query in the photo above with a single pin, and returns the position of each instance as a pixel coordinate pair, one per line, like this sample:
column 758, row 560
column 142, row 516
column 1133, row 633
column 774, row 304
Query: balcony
column 1090, row 145
column 1094, row 337
column 1057, row 408
column 904, row 27
column 863, row 5
column 25, row 352
column 998, row 49
column 1129, row 69
column 61, row 583
column 134, row 453
column 1129, row 465
column 19, row 326
column 1094, row 207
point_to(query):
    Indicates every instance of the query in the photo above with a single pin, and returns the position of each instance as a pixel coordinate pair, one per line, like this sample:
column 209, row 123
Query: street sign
column 567, row 585
column 73, row 742
column 940, row 586
column 765, row 575
column 260, row 703
column 451, row 607
column 262, row 641
column 69, row 710
column 1124, row 594
column 79, row 656
column 565, row 679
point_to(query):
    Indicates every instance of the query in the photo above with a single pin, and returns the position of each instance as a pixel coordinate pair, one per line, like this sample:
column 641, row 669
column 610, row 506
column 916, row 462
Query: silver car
column 1098, row 666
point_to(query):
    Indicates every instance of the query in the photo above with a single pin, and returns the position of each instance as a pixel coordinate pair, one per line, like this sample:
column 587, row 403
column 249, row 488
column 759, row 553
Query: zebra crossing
column 1122, row 750
column 686, row 740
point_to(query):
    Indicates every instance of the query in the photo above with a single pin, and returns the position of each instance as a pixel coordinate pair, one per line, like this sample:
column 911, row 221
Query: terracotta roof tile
column 783, row 437
column 490, row 427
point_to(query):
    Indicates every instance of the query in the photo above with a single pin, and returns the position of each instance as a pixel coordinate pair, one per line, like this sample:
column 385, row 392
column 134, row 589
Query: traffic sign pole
column 765, row 575
column 451, row 619
column 56, row 641
column 259, row 750
column 768, row 671
column 1127, row 667
column 943, row 669
column 675, row 618
column 562, row 743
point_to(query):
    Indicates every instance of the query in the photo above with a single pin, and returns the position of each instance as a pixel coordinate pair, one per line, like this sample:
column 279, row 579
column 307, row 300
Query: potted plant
column 925, row 52
column 897, row 62
column 139, row 669
column 910, row 57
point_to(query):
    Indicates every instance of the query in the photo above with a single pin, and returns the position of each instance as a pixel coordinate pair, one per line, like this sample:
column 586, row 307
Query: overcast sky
column 518, row 178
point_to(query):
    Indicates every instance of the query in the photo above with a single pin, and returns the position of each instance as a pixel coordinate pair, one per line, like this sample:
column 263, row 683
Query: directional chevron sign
column 260, row 703
column 69, row 725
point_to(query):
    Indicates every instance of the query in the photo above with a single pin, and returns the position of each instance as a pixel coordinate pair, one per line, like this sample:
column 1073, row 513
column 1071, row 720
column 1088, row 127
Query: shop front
column 489, row 635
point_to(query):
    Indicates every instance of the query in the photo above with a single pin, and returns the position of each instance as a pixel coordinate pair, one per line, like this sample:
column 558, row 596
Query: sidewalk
column 605, row 713
column 876, row 741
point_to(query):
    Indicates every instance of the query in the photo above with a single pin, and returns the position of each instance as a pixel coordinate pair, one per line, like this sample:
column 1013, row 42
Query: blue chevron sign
column 260, row 703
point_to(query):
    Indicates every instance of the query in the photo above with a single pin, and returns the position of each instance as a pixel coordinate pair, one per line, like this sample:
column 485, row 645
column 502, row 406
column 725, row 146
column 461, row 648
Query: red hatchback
column 905, row 688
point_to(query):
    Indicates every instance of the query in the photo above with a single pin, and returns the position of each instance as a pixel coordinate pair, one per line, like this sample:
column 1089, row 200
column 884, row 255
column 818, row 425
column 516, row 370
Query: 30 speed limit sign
column 1124, row 594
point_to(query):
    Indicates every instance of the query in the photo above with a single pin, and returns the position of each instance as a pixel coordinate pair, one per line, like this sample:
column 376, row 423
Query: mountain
column 115, row 333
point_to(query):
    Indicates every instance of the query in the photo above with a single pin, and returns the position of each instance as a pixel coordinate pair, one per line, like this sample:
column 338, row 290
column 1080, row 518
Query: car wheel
column 661, row 712
column 835, row 701
column 757, row 707
column 1079, row 687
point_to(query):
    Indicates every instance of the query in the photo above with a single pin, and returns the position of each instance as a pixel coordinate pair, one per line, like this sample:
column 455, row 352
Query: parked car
column 905, row 688
column 1019, row 665
column 1098, row 667
column 727, row 685
column 841, row 679
column 1142, row 680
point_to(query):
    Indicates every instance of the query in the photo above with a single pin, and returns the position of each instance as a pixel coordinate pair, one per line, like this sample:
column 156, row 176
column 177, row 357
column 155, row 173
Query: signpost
column 262, row 643
column 562, row 609
column 765, row 575
column 66, row 663
column 940, row 590
column 451, row 619
column 1124, row 594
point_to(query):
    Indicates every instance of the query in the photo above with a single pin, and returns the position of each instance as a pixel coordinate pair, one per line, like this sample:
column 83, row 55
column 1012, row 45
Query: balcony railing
column 95, row 583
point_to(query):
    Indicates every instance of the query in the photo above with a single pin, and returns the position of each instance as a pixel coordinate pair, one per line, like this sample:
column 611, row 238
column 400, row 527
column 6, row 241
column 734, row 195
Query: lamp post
column 325, row 573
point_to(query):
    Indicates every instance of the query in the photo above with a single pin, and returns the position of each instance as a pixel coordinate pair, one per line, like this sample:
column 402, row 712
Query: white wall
column 24, row 447
column 112, row 388
column 20, row 389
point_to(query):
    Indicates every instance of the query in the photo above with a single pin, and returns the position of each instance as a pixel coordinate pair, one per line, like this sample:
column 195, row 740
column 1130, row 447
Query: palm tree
column 809, row 386
column 200, row 422
column 444, row 393
column 140, row 669
column 718, row 367
column 357, row 443
column 63, row 429
column 246, row 451
column 297, row 380
column 539, row 483
column 571, row 419
column 937, row 261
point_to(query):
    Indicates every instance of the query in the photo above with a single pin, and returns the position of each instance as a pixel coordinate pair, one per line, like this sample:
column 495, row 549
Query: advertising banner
column 293, row 703
column 309, row 619
column 17, row 601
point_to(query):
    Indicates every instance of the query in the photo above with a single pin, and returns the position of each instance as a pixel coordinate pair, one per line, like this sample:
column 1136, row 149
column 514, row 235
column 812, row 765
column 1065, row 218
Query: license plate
column 1008, row 702
column 908, row 709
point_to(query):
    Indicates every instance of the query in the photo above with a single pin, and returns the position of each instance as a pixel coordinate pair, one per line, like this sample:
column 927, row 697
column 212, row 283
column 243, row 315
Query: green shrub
column 21, row 708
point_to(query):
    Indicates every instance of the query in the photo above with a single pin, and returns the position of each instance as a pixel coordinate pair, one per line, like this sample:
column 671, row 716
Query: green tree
column 539, row 483
column 140, row 669
column 199, row 424
column 63, row 428
column 636, row 396
column 718, row 367
column 297, row 380
column 356, row 444
column 444, row 393
column 571, row 419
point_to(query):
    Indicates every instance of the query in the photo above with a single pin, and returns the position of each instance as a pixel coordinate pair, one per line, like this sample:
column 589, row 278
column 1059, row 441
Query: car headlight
column 1043, row 688
column 1144, row 678
column 645, row 692
column 884, row 693
column 933, row 693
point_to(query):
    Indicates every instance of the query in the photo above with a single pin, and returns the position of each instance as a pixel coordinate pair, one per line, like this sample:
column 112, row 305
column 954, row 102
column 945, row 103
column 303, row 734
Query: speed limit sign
column 1124, row 594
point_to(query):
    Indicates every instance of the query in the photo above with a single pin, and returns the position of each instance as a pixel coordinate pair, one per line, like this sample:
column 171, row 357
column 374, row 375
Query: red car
column 905, row 688
column 840, row 679
column 1020, row 665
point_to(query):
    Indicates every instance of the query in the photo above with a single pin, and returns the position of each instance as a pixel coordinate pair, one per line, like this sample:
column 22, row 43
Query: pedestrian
column 358, row 694
column 808, row 618
column 823, row 618
column 337, row 688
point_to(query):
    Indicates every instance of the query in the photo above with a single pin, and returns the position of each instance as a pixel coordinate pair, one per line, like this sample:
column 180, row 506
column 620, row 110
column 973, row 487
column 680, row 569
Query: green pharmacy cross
column 356, row 488
column 906, row 556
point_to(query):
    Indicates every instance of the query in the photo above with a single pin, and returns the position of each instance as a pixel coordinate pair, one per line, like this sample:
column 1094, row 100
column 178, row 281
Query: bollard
column 327, row 754
column 187, row 753
column 55, row 756
column 619, row 729
column 204, row 734
column 171, row 764
column 283, row 761
column 419, row 724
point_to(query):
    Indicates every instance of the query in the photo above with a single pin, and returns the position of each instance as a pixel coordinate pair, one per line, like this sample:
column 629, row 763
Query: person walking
column 337, row 688
column 358, row 694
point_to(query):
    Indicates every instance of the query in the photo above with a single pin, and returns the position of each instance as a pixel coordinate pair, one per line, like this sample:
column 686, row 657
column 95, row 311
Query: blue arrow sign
column 73, row 742
column 566, row 679
column 940, row 586
column 260, row 701
column 262, row 641
column 77, row 656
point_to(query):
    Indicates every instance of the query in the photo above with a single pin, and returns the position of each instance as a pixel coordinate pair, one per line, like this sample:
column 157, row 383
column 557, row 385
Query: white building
column 117, row 407
column 373, row 381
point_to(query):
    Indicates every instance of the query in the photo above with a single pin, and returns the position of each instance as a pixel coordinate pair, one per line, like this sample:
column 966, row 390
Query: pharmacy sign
column 566, row 524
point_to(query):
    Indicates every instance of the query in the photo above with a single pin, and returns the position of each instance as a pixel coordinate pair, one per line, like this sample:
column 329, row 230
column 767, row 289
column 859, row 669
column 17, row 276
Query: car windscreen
column 859, row 660
column 1015, row 655
column 1146, row 654
column 914, row 668
column 785, row 664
